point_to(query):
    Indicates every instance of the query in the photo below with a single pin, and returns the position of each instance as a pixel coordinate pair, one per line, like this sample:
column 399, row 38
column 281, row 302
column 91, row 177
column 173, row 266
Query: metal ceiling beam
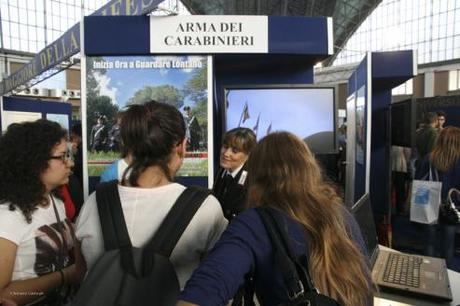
column 347, row 14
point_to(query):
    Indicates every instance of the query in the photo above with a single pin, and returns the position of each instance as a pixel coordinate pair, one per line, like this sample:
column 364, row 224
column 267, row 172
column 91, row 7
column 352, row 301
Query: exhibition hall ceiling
column 347, row 14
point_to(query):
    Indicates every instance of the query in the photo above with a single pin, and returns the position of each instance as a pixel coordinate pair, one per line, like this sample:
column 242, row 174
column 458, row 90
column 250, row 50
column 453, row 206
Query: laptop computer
column 405, row 274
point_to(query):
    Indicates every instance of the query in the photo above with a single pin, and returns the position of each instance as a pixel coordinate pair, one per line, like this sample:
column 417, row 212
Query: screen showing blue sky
column 302, row 111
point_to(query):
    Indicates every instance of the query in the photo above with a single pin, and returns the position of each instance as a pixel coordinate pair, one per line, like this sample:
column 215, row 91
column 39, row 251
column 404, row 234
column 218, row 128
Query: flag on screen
column 269, row 129
column 245, row 112
column 256, row 127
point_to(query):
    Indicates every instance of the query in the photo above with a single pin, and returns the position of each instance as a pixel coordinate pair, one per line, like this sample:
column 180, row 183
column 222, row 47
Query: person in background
column 98, row 136
column 425, row 137
column 193, row 129
column 445, row 159
column 441, row 119
column 154, row 134
column 116, row 169
column 230, row 183
column 400, row 170
column 342, row 155
column 76, row 141
column 72, row 192
column 284, row 175
column 114, row 135
column 36, row 238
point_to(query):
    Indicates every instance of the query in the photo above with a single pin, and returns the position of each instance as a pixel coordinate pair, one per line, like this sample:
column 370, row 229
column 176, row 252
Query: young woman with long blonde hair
column 284, row 175
column 444, row 160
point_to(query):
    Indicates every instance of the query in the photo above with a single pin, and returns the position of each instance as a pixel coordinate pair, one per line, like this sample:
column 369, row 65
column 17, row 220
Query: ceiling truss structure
column 347, row 14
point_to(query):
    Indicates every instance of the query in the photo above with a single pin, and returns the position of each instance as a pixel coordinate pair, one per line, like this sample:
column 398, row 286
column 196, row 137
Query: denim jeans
column 447, row 243
column 440, row 242
column 431, row 235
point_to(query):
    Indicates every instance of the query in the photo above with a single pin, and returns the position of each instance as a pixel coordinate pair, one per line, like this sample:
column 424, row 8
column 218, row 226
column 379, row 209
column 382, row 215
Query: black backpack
column 128, row 276
column 299, row 285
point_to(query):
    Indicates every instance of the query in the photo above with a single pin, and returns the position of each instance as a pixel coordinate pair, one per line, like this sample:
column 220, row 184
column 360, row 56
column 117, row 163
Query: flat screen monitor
column 307, row 111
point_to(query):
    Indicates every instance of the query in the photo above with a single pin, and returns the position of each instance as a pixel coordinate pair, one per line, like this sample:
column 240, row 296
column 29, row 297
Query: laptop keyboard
column 403, row 270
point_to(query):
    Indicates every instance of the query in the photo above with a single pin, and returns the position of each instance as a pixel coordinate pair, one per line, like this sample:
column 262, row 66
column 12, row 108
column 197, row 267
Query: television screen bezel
column 334, row 88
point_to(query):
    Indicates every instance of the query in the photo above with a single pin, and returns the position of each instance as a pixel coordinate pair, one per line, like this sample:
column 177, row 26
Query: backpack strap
column 114, row 230
column 295, row 275
column 113, row 224
column 177, row 220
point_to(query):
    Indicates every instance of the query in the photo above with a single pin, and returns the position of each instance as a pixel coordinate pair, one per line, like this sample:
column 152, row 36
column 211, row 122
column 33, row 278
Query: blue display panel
column 360, row 143
column 358, row 133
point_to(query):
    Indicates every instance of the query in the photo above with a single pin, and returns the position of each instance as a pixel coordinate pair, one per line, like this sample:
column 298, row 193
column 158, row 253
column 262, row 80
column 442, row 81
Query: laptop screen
column 362, row 212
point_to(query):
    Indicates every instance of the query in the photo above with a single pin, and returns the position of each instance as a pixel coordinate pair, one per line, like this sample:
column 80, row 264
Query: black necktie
column 228, row 179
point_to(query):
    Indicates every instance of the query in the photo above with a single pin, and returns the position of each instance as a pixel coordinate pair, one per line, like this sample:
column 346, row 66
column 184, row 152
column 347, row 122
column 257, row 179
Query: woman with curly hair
column 284, row 177
column 35, row 236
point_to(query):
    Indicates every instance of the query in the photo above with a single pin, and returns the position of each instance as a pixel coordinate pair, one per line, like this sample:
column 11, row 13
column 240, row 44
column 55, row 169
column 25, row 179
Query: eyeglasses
column 67, row 156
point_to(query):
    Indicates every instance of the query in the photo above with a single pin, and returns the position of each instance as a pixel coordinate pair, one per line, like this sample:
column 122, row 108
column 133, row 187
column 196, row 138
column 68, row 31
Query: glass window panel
column 40, row 19
column 449, row 30
column 435, row 7
column 14, row 14
column 6, row 28
column 41, row 35
column 436, row 32
column 31, row 4
column 40, row 45
column 450, row 17
column 32, row 33
column 13, row 3
column 56, row 35
column 422, row 7
column 14, row 28
column 443, row 19
column 22, row 15
column 14, row 44
column 426, row 58
column 456, row 42
column 22, row 4
column 430, row 21
column 31, row 20
column 33, row 46
column 435, row 20
column 64, row 24
column 56, row 7
column 449, row 50
column 22, row 30
column 443, row 5
column 457, row 26
column 48, row 6
column 55, row 24
column 4, row 11
column 457, row 53
column 39, row 5
column 24, row 44
column 63, row 10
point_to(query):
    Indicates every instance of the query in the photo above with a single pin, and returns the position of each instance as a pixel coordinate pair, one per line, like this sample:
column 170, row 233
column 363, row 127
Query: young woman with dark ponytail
column 154, row 136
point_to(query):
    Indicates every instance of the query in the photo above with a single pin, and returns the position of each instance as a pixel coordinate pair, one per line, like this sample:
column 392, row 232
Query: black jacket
column 232, row 197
